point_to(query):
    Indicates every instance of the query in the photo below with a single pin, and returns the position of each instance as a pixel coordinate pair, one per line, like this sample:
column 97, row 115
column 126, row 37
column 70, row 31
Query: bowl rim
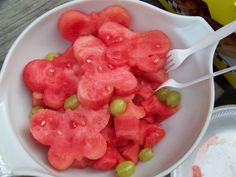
column 67, row 4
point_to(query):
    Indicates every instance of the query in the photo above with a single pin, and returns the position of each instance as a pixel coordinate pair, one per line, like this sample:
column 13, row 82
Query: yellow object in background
column 221, row 64
column 167, row 6
column 223, row 11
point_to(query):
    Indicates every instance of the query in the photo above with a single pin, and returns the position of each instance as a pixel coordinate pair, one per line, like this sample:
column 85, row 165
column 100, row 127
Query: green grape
column 50, row 56
column 71, row 102
column 117, row 106
column 162, row 93
column 35, row 109
column 125, row 169
column 145, row 154
column 173, row 98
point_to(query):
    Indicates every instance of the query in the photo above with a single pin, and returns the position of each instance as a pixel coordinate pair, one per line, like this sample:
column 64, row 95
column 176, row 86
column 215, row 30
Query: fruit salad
column 93, row 105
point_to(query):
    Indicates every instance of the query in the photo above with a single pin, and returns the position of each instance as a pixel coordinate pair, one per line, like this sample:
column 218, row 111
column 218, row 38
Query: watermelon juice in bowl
column 93, row 100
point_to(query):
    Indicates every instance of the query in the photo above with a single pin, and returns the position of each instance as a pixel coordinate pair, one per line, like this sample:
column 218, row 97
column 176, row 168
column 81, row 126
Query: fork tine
column 171, row 83
column 165, row 84
column 168, row 55
column 169, row 65
column 172, row 67
column 169, row 59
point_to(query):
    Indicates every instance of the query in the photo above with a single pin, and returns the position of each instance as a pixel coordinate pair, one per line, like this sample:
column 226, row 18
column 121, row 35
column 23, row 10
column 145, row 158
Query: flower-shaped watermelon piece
column 71, row 135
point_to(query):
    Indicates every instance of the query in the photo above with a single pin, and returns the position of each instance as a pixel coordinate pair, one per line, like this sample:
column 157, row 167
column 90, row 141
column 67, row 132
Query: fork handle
column 209, row 76
column 214, row 37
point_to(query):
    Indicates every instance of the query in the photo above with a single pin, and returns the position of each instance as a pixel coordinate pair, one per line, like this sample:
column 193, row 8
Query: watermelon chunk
column 110, row 136
column 67, row 61
column 71, row 135
column 149, row 51
column 95, row 92
column 115, row 14
column 37, row 99
column 133, row 110
column 110, row 159
column 132, row 152
column 44, row 125
column 59, row 159
column 54, row 98
column 83, row 163
column 110, row 36
column 150, row 134
column 36, row 74
column 127, row 128
column 145, row 92
column 159, row 76
column 73, row 24
column 117, row 54
column 154, row 106
column 89, row 49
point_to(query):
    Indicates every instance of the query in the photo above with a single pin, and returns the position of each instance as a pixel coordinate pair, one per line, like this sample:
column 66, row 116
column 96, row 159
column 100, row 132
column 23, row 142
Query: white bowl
column 184, row 130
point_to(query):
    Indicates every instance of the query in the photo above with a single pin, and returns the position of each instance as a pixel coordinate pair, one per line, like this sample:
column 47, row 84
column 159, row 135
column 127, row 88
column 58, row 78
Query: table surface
column 15, row 15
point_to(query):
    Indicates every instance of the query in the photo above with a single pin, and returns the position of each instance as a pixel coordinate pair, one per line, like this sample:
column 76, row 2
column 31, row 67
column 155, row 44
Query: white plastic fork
column 176, row 57
column 174, row 84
